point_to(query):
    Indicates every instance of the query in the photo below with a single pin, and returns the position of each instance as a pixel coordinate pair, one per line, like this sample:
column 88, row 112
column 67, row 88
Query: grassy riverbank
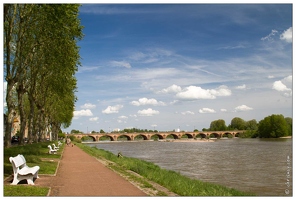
column 175, row 182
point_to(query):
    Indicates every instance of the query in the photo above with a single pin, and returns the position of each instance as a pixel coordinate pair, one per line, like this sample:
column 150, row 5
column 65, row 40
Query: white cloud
column 88, row 106
column 279, row 86
column 112, row 109
column 270, row 36
column 121, row 121
column 187, row 113
column 270, row 76
column 195, row 92
column 223, row 110
column 93, row 119
column 80, row 113
column 221, row 91
column 120, row 64
column 148, row 112
column 287, row 35
column 206, row 110
column 241, row 87
column 172, row 89
column 145, row 101
column 243, row 108
column 123, row 117
column 288, row 79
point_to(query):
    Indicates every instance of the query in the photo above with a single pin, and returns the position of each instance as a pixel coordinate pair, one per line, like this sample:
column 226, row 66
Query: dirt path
column 80, row 174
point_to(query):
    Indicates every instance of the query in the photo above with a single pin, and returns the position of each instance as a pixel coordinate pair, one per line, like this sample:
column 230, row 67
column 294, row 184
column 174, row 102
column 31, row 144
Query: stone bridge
column 160, row 135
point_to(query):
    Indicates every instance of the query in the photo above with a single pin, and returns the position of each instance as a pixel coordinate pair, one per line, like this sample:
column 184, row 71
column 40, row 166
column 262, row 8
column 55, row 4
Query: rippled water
column 260, row 166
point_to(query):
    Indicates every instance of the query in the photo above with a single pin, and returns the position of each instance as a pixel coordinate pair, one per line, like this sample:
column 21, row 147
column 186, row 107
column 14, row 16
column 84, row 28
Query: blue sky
column 169, row 66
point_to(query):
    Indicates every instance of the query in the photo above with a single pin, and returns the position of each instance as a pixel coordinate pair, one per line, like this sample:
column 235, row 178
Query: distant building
column 177, row 130
column 116, row 130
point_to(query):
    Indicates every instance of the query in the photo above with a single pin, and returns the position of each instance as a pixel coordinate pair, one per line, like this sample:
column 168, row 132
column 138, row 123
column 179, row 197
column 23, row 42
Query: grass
column 24, row 190
column 35, row 154
column 172, row 180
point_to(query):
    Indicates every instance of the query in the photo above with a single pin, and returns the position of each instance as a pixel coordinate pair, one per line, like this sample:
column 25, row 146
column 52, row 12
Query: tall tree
column 238, row 123
column 41, row 57
column 273, row 126
column 251, row 125
column 218, row 125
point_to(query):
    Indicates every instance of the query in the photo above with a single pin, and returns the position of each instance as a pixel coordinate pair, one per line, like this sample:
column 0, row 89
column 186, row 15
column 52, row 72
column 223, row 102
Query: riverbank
column 189, row 140
column 287, row 137
column 173, row 181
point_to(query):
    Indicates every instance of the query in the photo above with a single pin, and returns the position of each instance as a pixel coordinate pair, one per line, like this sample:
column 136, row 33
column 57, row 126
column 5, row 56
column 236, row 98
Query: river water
column 260, row 166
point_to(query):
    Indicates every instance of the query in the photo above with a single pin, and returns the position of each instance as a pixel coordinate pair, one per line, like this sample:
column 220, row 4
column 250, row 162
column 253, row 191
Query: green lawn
column 35, row 154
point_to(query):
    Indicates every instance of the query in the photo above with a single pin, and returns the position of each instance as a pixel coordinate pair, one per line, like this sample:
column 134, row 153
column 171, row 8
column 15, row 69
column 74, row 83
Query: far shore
column 189, row 140
column 286, row 137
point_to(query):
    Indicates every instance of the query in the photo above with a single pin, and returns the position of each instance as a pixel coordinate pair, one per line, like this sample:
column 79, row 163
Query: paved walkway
column 80, row 174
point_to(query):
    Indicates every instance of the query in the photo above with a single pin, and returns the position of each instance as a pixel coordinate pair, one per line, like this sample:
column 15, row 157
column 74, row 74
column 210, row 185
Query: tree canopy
column 41, row 58
column 273, row 126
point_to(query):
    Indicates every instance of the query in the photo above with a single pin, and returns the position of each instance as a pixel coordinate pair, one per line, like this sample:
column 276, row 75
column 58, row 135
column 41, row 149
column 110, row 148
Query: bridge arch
column 202, row 135
column 102, row 138
column 216, row 135
column 189, row 135
column 126, row 136
column 84, row 137
column 175, row 136
column 227, row 134
column 158, row 135
column 145, row 137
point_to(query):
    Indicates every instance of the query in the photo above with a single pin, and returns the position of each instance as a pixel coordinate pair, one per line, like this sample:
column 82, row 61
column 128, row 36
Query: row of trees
column 272, row 126
column 41, row 57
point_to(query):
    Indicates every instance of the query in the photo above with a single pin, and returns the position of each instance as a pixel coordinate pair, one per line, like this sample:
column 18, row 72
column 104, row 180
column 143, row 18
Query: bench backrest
column 50, row 148
column 17, row 162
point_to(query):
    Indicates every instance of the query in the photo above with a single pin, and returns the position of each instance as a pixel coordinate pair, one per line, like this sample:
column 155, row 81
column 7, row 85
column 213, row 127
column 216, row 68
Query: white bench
column 21, row 171
column 51, row 151
column 55, row 147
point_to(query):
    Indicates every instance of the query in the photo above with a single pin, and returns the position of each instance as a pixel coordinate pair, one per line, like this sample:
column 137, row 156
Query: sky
column 181, row 66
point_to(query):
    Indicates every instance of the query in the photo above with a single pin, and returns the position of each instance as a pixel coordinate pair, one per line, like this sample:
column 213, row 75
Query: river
column 260, row 166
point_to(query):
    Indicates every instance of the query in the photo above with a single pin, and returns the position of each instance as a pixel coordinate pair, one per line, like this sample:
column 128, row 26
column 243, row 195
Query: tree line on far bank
column 273, row 126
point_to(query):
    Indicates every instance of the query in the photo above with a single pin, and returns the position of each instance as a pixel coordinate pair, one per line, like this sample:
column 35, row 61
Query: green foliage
column 252, row 125
column 238, row 123
column 73, row 131
column 290, row 124
column 61, row 135
column 85, row 138
column 273, row 126
column 41, row 57
column 102, row 131
column 249, row 134
column 218, row 125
